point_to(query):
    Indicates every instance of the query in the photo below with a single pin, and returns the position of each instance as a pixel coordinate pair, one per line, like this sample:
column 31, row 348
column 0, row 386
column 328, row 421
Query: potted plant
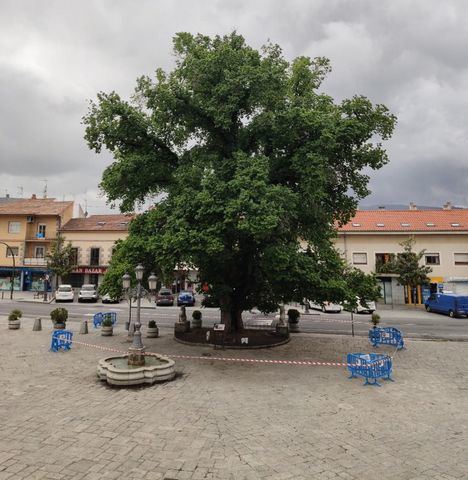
column 14, row 322
column 293, row 319
column 107, row 329
column 196, row 319
column 375, row 319
column 152, row 331
column 59, row 318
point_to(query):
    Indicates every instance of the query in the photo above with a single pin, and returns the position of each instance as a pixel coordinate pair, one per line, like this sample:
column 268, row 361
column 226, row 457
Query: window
column 430, row 224
column 12, row 250
column 94, row 257
column 360, row 258
column 356, row 224
column 40, row 252
column 41, row 231
column 432, row 259
column 405, row 224
column 14, row 227
column 380, row 224
column 74, row 256
column 455, row 224
column 461, row 258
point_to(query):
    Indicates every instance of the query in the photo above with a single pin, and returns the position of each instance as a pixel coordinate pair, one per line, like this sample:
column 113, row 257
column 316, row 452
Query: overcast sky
column 410, row 55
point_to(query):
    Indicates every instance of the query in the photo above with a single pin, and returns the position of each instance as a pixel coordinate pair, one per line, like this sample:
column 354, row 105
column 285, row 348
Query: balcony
column 34, row 262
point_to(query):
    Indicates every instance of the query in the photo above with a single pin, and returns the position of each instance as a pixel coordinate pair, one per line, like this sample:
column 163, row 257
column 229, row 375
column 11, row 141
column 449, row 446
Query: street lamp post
column 136, row 352
column 14, row 267
column 126, row 283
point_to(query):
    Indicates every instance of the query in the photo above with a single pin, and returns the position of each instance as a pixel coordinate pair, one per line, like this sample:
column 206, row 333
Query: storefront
column 26, row 279
column 83, row 275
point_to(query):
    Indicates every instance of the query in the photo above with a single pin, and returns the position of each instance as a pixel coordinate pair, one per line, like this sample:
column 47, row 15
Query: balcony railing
column 35, row 262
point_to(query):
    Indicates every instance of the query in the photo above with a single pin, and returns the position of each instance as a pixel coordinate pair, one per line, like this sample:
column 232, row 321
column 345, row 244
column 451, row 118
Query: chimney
column 33, row 196
column 7, row 195
column 381, row 207
column 447, row 206
column 413, row 206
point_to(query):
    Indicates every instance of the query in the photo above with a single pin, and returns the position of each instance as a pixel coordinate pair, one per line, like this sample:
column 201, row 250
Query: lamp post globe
column 126, row 279
column 152, row 282
column 139, row 270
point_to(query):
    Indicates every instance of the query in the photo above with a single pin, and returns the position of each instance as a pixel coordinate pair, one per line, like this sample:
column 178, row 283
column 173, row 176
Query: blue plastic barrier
column 100, row 316
column 386, row 336
column 61, row 340
column 370, row 366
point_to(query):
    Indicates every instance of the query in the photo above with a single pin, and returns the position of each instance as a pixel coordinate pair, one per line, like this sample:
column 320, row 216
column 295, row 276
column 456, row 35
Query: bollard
column 37, row 327
column 84, row 327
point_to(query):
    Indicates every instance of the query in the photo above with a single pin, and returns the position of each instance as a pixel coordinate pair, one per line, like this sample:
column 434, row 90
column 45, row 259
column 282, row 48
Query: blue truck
column 449, row 303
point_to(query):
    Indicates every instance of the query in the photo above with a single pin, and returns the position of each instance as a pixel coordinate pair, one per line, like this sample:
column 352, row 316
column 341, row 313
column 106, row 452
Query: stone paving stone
column 236, row 421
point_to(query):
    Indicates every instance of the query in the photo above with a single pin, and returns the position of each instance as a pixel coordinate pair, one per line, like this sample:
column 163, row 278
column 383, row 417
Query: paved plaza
column 226, row 420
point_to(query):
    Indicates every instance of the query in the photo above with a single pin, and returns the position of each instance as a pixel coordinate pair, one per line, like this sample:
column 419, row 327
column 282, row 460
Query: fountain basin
column 116, row 371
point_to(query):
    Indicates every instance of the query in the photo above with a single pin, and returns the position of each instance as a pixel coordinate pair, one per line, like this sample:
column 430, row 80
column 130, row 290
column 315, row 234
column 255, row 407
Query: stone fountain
column 137, row 367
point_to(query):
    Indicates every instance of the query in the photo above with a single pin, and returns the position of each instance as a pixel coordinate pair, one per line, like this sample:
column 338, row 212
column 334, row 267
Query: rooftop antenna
column 86, row 204
column 44, row 192
column 21, row 191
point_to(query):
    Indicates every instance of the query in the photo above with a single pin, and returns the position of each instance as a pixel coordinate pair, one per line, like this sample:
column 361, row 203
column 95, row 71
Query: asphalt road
column 414, row 323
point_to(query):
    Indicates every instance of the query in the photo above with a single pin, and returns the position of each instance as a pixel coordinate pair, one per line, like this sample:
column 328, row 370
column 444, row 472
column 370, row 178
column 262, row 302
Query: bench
column 101, row 316
column 370, row 366
column 61, row 340
column 386, row 336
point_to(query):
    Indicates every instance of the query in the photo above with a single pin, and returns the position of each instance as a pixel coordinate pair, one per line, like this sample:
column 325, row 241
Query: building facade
column 93, row 239
column 27, row 229
column 371, row 237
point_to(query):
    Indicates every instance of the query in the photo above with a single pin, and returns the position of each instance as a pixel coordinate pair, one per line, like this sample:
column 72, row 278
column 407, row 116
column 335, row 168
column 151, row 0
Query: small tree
column 407, row 266
column 60, row 259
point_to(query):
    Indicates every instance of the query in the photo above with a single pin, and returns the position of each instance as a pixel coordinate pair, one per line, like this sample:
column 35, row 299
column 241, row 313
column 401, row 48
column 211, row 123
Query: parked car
column 186, row 298
column 449, row 303
column 88, row 293
column 326, row 307
column 367, row 306
column 165, row 297
column 64, row 293
column 108, row 299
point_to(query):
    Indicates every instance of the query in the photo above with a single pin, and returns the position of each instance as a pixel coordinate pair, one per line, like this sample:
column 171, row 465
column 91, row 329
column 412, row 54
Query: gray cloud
column 409, row 55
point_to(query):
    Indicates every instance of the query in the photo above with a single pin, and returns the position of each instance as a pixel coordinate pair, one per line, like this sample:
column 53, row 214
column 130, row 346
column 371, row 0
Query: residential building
column 372, row 236
column 28, row 226
column 93, row 239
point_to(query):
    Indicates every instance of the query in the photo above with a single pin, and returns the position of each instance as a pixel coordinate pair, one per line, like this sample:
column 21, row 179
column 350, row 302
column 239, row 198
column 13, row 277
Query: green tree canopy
column 407, row 266
column 61, row 258
column 247, row 156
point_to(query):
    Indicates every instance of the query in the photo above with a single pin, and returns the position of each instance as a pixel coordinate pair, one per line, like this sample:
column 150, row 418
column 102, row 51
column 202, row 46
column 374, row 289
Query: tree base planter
column 248, row 338
column 282, row 329
column 181, row 327
column 107, row 331
column 14, row 324
column 152, row 332
column 116, row 371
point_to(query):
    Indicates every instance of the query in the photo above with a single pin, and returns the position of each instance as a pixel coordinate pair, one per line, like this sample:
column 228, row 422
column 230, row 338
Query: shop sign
column 90, row 270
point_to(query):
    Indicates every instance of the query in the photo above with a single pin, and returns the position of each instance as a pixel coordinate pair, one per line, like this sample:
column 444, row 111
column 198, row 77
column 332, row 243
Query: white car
column 88, row 293
column 64, row 293
column 327, row 307
column 360, row 308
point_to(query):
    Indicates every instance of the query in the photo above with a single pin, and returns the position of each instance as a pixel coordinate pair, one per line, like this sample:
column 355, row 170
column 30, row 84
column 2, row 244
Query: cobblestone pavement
column 221, row 420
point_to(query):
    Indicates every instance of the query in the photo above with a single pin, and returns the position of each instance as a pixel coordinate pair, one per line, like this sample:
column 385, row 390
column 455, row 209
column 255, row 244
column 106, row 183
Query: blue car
column 186, row 298
column 449, row 303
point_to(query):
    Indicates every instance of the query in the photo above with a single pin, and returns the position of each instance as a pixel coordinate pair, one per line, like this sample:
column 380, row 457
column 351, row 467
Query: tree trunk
column 231, row 315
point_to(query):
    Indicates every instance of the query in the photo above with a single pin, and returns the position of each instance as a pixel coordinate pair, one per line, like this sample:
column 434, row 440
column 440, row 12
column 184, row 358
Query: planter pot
column 196, row 323
column 14, row 324
column 59, row 326
column 293, row 327
column 107, row 331
column 152, row 332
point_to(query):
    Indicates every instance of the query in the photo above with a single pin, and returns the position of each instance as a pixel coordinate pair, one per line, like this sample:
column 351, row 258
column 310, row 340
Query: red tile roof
column 30, row 206
column 408, row 221
column 99, row 223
